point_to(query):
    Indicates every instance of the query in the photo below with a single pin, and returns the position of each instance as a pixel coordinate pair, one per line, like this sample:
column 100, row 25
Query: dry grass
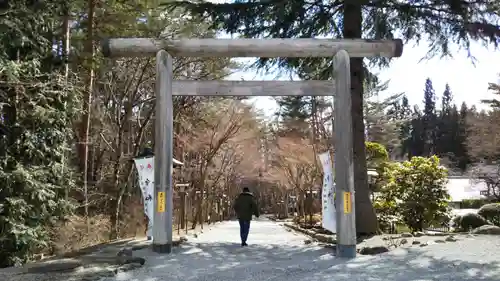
column 300, row 219
column 74, row 235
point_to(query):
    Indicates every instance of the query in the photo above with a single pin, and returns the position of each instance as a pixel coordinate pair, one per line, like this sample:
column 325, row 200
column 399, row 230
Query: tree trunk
column 286, row 204
column 66, row 49
column 115, row 215
column 194, row 210
column 183, row 210
column 189, row 203
column 83, row 146
column 302, row 206
column 209, row 207
column 366, row 220
column 198, row 214
column 309, row 206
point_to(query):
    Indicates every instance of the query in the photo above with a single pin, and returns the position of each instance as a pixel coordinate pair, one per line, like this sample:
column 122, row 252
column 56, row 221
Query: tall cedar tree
column 445, row 126
column 417, row 141
column 429, row 119
column 493, row 103
column 442, row 22
column 443, row 134
column 404, row 115
column 428, row 132
column 36, row 111
column 462, row 153
column 293, row 114
column 381, row 118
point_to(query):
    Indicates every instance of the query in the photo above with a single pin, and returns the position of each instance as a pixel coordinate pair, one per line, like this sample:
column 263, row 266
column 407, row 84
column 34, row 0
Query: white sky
column 468, row 81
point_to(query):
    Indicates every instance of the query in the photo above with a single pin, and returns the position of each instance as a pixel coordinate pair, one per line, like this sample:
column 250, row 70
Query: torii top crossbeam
column 266, row 48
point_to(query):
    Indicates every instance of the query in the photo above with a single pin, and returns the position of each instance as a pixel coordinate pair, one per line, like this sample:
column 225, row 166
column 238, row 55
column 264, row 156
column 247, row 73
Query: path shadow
column 410, row 264
column 228, row 261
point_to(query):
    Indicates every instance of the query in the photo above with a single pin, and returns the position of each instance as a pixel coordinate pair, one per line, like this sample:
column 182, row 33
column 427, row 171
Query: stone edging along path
column 383, row 243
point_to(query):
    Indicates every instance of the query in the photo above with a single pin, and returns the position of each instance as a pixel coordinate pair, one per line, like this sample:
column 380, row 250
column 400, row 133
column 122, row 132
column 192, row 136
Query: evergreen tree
column 36, row 112
column 457, row 21
column 446, row 100
column 381, row 117
column 495, row 89
column 406, row 117
column 462, row 155
column 452, row 138
column 446, row 125
column 402, row 113
column 416, row 145
column 429, row 119
column 293, row 114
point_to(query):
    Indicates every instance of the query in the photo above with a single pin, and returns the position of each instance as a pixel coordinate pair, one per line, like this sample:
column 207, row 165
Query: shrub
column 472, row 203
column 375, row 154
column 455, row 222
column 384, row 202
column 418, row 190
column 471, row 221
column 491, row 212
column 386, row 214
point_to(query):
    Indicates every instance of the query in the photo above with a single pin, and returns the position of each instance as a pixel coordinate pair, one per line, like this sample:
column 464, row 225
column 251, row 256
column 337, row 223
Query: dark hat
column 246, row 189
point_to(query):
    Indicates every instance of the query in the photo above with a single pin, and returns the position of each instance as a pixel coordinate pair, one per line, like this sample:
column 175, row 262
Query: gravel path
column 276, row 254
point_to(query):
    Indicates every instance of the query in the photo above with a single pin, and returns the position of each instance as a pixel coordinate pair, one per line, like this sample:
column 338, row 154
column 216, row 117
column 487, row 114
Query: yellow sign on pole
column 347, row 203
column 161, row 202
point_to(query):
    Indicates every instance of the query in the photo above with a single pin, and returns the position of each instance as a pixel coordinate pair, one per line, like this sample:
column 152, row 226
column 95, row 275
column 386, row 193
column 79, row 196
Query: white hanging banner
column 146, row 171
column 328, row 194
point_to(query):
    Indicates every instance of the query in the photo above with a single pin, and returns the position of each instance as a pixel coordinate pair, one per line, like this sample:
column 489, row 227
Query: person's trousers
column 244, row 229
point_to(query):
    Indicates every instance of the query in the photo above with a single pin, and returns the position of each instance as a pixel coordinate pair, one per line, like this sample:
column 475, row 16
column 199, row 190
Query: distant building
column 465, row 188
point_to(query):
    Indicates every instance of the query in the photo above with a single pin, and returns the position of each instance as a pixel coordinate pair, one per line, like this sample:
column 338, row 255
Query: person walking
column 245, row 206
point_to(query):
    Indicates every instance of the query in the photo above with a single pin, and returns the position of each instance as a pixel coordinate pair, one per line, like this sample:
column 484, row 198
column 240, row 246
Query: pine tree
column 495, row 89
column 446, row 100
column 457, row 21
column 462, row 155
column 403, row 115
column 445, row 126
column 429, row 119
column 381, row 117
column 416, row 145
column 451, row 132
column 36, row 112
column 293, row 114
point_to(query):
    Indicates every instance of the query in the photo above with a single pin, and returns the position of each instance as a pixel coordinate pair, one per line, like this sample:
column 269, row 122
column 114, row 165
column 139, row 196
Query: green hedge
column 472, row 203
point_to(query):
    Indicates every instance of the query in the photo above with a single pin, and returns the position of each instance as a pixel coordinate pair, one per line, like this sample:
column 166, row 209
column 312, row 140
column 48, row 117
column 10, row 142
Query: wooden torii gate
column 166, row 88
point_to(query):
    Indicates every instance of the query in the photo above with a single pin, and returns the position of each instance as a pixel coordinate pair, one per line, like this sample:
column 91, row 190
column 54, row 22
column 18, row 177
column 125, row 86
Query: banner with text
column 328, row 194
column 145, row 169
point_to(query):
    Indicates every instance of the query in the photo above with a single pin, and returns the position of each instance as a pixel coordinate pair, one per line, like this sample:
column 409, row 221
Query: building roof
column 465, row 189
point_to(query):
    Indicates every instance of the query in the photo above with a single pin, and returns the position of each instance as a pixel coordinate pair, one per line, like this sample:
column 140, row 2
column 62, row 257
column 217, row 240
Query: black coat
column 245, row 206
